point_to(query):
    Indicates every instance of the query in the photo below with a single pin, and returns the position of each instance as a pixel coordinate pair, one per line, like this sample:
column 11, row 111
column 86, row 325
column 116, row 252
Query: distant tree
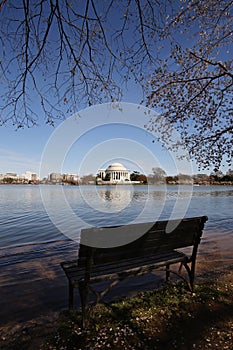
column 86, row 179
column 142, row 178
column 227, row 178
column 137, row 176
column 8, row 180
column 134, row 175
column 216, row 175
column 158, row 176
column 184, row 178
column 200, row 176
column 171, row 179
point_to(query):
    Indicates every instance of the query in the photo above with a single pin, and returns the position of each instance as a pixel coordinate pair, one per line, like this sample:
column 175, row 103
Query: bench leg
column 167, row 273
column 83, row 291
column 191, row 278
column 191, row 273
column 71, row 296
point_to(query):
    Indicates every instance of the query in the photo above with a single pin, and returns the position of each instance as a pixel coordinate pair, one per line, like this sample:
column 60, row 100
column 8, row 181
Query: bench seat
column 125, row 268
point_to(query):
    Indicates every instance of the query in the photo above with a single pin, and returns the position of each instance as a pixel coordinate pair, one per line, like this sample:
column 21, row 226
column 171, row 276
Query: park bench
column 145, row 247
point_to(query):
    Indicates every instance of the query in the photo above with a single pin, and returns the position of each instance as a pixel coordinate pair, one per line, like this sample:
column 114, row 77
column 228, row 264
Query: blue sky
column 21, row 150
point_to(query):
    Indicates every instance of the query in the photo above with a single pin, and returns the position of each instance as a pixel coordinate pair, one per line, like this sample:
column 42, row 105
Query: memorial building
column 115, row 173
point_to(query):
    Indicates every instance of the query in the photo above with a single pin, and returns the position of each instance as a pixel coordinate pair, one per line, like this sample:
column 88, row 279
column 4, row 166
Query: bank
column 165, row 318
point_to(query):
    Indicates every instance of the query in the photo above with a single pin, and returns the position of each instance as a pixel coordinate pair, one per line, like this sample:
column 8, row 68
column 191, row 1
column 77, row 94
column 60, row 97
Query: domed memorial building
column 115, row 173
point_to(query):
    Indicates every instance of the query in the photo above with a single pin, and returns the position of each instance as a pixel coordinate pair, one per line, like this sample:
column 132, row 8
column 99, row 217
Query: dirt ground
column 207, row 323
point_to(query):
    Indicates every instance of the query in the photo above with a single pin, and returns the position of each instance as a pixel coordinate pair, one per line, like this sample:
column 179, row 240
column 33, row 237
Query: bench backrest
column 94, row 244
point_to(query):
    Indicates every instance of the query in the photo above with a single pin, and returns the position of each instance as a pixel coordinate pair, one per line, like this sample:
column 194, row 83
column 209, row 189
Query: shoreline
column 194, row 184
column 38, row 332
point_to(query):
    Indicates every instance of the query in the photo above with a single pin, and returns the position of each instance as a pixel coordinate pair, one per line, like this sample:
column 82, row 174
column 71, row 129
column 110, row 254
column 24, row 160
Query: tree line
column 159, row 176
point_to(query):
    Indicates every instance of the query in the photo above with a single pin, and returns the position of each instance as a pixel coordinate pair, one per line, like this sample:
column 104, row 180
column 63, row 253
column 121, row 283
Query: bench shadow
column 183, row 330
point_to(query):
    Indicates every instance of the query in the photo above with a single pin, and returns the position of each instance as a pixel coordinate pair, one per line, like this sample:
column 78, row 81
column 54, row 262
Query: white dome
column 116, row 166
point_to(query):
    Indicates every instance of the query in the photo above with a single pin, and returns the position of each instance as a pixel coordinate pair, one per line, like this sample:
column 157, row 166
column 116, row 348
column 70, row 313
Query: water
column 33, row 214
column 40, row 227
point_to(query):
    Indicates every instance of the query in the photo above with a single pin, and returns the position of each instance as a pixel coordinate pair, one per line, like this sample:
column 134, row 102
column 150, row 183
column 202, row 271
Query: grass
column 165, row 319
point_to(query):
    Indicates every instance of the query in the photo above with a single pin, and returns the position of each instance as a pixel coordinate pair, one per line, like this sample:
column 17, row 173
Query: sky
column 115, row 137
column 92, row 139
column 105, row 134
column 100, row 139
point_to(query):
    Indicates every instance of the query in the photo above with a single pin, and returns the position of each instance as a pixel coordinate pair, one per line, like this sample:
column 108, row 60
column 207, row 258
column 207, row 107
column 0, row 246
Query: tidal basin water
column 40, row 227
column 31, row 214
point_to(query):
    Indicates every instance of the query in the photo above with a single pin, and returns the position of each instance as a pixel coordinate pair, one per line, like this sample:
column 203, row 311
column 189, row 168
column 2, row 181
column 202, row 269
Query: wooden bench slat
column 73, row 271
column 103, row 272
column 139, row 251
column 99, row 236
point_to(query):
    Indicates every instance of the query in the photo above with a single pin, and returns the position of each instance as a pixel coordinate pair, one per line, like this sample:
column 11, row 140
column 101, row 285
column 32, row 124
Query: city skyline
column 9, row 173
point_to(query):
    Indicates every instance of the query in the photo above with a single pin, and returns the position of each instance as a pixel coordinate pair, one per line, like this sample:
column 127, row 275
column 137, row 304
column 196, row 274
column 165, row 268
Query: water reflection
column 109, row 199
column 214, row 193
column 24, row 219
column 116, row 196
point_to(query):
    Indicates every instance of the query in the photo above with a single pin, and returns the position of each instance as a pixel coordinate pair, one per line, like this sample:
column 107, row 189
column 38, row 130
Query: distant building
column 63, row 178
column 30, row 177
column 12, row 178
column 71, row 178
column 55, row 177
column 11, row 175
column 115, row 173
